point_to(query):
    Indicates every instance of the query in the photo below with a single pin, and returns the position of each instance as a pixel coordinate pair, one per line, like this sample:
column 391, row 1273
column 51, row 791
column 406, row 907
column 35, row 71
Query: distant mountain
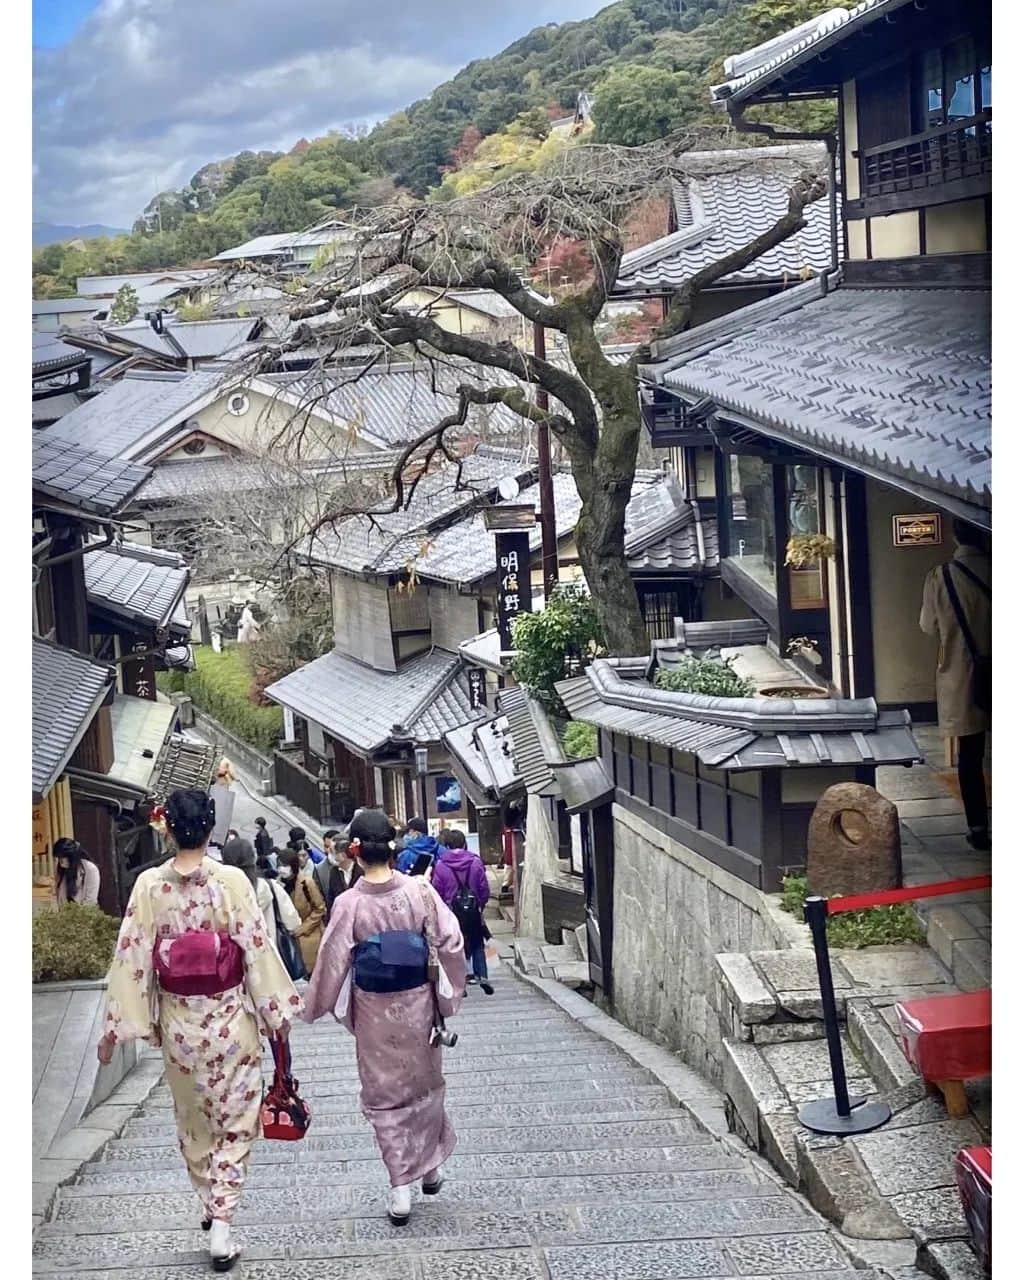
column 52, row 233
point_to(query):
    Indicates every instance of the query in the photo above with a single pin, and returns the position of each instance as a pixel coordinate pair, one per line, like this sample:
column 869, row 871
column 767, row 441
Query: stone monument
column 853, row 842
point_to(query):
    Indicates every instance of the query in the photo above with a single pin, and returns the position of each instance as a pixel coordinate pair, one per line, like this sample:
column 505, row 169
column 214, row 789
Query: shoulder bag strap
column 958, row 609
column 982, row 586
column 430, row 930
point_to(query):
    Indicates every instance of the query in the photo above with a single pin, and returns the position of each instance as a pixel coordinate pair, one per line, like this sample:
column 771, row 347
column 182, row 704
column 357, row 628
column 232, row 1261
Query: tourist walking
column 329, row 874
column 78, row 879
column 193, row 973
column 419, row 844
column 263, row 841
column 957, row 610
column 309, row 903
column 467, row 891
column 373, row 975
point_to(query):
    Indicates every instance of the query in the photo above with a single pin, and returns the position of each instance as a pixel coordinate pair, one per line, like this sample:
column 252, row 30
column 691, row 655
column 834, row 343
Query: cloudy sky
column 131, row 97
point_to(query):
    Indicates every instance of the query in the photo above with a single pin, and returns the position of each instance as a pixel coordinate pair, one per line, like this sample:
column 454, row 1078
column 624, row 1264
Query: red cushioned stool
column 949, row 1040
column 973, row 1168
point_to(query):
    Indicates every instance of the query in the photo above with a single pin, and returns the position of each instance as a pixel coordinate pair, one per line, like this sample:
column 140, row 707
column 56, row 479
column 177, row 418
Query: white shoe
column 400, row 1205
column 224, row 1253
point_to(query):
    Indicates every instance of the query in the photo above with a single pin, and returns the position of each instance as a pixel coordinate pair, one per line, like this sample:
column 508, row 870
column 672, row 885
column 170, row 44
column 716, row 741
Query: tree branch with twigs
column 405, row 262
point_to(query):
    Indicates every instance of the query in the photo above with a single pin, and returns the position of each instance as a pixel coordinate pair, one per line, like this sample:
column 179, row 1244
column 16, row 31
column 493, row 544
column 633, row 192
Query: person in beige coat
column 309, row 903
column 960, row 716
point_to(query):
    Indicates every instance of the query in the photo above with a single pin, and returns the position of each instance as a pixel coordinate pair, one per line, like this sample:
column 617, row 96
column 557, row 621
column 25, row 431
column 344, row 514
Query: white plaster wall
column 540, row 862
column 956, row 228
column 896, row 236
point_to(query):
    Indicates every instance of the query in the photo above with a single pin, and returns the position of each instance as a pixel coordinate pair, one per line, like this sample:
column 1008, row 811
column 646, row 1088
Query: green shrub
column 712, row 676
column 221, row 685
column 567, row 625
column 872, row 927
column 580, row 739
column 72, row 942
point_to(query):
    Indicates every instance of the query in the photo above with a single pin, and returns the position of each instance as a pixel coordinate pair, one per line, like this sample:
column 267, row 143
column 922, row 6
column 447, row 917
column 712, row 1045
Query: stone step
column 870, row 1031
column 160, row 1105
column 495, row 1264
column 589, row 1136
column 92, row 1210
column 148, row 1131
column 780, row 1218
column 699, row 1156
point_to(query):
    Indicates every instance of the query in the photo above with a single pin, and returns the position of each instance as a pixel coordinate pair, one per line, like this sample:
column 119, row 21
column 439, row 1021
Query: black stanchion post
column 840, row 1113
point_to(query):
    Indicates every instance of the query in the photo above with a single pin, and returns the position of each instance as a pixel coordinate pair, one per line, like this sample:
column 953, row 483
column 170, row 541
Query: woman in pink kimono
column 372, row 974
column 195, row 972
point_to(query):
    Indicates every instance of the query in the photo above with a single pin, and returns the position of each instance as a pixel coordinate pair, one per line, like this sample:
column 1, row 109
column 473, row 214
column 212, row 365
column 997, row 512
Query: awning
column 141, row 729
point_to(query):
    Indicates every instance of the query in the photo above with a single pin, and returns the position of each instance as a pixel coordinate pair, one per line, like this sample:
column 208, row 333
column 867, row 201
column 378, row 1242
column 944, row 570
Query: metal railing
column 934, row 158
column 325, row 799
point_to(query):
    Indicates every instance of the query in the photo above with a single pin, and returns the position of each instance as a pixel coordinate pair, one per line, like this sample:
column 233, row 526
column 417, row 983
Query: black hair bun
column 191, row 816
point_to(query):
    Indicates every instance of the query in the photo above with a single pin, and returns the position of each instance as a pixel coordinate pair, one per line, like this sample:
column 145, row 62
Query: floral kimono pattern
column 211, row 1044
column 400, row 1072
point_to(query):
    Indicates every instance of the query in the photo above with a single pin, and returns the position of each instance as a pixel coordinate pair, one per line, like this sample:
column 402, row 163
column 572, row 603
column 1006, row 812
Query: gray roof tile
column 118, row 421
column 756, row 68
column 897, row 380
column 739, row 733
column 360, row 706
column 79, row 477
column 138, row 583
column 727, row 199
column 67, row 690
column 206, row 477
column 51, row 354
column 536, row 748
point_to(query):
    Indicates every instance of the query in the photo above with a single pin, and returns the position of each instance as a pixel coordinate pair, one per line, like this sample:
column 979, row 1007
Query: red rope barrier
column 886, row 897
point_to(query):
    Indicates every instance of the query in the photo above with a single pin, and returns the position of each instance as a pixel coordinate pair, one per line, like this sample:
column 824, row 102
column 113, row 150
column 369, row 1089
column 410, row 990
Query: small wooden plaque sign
column 918, row 530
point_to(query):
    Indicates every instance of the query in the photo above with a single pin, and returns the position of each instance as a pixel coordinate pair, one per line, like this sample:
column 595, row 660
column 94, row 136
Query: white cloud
column 147, row 91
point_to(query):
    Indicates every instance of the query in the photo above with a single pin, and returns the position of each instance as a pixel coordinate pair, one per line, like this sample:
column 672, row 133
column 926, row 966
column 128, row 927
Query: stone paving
column 573, row 1162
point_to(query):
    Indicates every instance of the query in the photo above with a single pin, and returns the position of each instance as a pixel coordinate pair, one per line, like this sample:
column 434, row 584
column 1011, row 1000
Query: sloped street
column 571, row 1163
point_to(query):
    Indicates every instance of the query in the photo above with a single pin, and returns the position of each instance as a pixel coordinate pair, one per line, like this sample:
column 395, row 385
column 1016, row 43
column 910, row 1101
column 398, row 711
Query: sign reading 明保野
column 514, row 590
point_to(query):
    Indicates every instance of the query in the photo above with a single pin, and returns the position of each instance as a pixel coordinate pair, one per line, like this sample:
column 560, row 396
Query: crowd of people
column 388, row 930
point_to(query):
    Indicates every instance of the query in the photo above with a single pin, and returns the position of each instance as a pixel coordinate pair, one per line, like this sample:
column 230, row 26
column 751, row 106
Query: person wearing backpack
column 467, row 892
column 957, row 609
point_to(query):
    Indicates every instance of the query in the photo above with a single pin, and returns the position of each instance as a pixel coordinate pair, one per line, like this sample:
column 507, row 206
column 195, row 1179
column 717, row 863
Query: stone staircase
column 893, row 1184
column 573, row 1162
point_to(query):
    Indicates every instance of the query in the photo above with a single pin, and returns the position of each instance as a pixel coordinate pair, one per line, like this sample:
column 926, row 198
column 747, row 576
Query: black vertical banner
column 515, row 595
column 477, row 689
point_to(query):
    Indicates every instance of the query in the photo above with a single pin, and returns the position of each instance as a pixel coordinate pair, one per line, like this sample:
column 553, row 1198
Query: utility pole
column 549, row 541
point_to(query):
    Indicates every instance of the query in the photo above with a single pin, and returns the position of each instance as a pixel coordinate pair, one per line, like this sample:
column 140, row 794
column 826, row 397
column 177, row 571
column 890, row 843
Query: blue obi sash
column 390, row 962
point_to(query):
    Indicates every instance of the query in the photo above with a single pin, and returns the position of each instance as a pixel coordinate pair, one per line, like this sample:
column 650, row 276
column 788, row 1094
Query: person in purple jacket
column 466, row 891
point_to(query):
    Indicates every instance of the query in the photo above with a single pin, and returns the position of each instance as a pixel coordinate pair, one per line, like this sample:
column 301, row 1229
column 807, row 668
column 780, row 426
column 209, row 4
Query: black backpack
column 466, row 910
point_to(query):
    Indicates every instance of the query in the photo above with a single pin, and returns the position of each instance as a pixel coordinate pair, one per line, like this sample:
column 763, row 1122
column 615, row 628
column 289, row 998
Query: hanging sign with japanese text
column 515, row 595
column 139, row 674
column 477, row 689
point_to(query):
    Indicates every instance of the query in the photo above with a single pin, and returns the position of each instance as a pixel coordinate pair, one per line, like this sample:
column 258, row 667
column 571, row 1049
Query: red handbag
column 285, row 1115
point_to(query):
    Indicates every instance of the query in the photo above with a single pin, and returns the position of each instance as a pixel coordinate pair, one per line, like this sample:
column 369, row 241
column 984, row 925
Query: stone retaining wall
column 674, row 911
column 253, row 761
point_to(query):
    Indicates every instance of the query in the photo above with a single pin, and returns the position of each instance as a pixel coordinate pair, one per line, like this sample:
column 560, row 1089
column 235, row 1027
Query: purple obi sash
column 198, row 963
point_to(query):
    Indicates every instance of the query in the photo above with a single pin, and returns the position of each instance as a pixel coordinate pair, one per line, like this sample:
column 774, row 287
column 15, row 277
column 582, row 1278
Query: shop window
column 805, row 514
column 750, row 518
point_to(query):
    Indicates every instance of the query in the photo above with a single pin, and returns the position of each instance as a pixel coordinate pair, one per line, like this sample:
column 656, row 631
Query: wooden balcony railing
column 953, row 161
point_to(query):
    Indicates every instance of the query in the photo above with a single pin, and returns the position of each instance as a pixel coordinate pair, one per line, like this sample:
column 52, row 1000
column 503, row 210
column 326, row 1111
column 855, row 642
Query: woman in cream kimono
column 400, row 1068
column 207, row 1019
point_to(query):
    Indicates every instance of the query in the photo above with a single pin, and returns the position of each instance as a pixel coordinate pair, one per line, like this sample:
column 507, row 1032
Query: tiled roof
column 666, row 533
column 536, row 748
column 121, row 420
column 139, row 726
column 142, row 584
column 198, row 339
column 731, row 197
column 71, row 475
column 484, row 751
column 50, row 354
column 360, row 544
column 62, row 306
column 739, row 733
column 258, row 247
column 205, row 477
column 895, row 380
column 393, row 405
column 362, row 707
column 184, row 764
column 756, row 68
column 486, row 301
column 483, row 650
column 67, row 690
column 107, row 286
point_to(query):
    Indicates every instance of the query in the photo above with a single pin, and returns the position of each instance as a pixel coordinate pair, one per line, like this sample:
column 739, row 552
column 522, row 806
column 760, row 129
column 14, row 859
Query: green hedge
column 221, row 685
column 73, row 942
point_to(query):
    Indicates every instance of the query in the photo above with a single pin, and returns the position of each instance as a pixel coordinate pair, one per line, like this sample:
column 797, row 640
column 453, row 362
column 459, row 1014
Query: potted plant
column 803, row 550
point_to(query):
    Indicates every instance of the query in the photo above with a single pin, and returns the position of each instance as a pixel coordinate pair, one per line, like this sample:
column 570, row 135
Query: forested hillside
column 647, row 64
